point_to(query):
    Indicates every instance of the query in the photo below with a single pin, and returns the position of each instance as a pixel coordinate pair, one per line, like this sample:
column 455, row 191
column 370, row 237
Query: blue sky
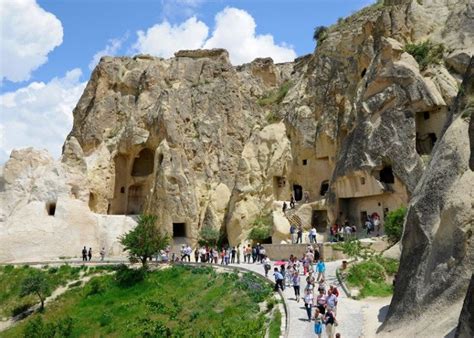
column 61, row 38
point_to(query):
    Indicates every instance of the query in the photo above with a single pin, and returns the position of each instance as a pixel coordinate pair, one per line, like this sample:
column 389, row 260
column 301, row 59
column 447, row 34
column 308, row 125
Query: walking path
column 349, row 312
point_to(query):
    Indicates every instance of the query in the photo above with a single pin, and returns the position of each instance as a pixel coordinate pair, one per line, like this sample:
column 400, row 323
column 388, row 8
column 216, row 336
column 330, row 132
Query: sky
column 48, row 48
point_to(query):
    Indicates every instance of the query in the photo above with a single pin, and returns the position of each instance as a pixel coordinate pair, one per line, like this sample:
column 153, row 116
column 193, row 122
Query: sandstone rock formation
column 438, row 251
column 466, row 320
column 348, row 131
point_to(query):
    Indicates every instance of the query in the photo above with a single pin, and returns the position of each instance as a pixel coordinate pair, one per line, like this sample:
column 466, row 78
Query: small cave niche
column 324, row 187
column 161, row 158
column 51, row 208
column 179, row 230
column 362, row 180
column 305, row 162
column 143, row 164
column 364, row 71
column 426, row 115
column 386, row 175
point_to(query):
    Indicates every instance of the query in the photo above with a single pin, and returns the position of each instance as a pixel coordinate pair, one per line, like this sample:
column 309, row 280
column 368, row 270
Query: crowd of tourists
column 320, row 299
column 225, row 256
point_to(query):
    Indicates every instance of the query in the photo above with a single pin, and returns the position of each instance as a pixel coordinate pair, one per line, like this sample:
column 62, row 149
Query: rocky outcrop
column 438, row 251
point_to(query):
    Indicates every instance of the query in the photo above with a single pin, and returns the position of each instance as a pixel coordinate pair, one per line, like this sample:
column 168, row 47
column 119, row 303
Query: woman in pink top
column 321, row 302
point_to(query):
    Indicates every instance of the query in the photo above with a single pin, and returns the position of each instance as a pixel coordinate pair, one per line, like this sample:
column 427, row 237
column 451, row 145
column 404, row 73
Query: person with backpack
column 278, row 279
column 330, row 321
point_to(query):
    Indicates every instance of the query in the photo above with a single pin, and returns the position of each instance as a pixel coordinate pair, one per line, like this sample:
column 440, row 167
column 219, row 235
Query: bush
column 95, row 287
column 275, row 96
column 394, row 224
column 425, row 53
column 275, row 325
column 19, row 309
column 36, row 328
column 126, row 277
column 320, row 34
column 261, row 228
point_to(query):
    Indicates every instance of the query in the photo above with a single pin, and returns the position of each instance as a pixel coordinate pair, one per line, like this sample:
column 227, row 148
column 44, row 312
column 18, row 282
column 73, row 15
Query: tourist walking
column 238, row 253
column 232, row 255
column 196, row 254
column 318, row 322
column 84, row 254
column 296, row 281
column 278, row 279
column 285, row 206
column 102, row 254
column 293, row 233
column 330, row 321
column 292, row 202
column 321, row 269
column 266, row 265
column 254, row 254
column 331, row 302
column 308, row 302
column 299, row 238
column 312, row 235
column 90, row 254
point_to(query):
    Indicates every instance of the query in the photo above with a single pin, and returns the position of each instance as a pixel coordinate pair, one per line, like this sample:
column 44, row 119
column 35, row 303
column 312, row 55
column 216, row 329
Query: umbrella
column 279, row 263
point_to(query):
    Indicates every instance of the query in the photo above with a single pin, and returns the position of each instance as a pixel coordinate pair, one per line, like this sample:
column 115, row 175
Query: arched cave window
column 143, row 164
column 324, row 188
column 386, row 175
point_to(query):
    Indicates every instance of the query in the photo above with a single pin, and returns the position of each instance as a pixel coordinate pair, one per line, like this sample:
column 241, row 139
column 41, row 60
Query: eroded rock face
column 466, row 319
column 438, row 251
column 347, row 130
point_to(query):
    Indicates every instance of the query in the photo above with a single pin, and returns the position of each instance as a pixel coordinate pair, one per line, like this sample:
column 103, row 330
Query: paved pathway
column 349, row 312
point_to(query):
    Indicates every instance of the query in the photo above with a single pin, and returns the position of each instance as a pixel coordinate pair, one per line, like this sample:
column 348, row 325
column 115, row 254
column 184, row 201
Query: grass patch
column 275, row 325
column 371, row 276
column 179, row 301
column 426, row 53
column 276, row 96
column 10, row 280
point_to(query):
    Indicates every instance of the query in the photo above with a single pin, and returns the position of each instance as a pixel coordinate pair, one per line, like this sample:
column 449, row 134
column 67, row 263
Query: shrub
column 261, row 228
column 275, row 97
column 208, row 236
column 36, row 328
column 126, row 277
column 394, row 224
column 320, row 33
column 425, row 53
column 275, row 325
column 19, row 309
column 95, row 287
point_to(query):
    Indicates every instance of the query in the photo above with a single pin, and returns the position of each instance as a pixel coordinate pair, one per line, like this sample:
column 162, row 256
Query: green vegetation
column 426, row 53
column 208, row 236
column 275, row 97
column 179, row 301
column 11, row 279
column 145, row 240
column 275, row 324
column 371, row 276
column 394, row 224
column 468, row 109
column 36, row 284
column 261, row 228
column 320, row 34
column 272, row 117
column 354, row 249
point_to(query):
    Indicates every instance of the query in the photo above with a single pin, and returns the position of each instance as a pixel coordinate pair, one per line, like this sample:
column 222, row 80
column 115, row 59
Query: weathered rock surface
column 466, row 319
column 438, row 251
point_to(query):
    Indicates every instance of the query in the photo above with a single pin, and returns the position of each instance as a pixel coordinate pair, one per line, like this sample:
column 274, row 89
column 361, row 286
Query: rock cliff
column 360, row 126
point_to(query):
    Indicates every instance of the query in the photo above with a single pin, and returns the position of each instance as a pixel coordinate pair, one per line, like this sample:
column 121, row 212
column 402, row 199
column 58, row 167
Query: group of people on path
column 320, row 300
column 227, row 255
column 87, row 254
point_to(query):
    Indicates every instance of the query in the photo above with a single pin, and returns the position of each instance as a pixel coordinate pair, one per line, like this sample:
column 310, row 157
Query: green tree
column 145, row 240
column 208, row 236
column 394, row 224
column 36, row 283
column 320, row 33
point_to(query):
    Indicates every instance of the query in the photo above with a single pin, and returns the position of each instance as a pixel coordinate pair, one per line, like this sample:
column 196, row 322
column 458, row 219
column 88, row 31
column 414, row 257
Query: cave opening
column 51, row 208
column 386, row 175
column 143, row 164
column 324, row 188
column 298, row 192
column 179, row 230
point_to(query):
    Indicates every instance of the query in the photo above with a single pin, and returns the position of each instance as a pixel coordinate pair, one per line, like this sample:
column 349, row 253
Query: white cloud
column 234, row 30
column 164, row 39
column 39, row 115
column 111, row 49
column 28, row 33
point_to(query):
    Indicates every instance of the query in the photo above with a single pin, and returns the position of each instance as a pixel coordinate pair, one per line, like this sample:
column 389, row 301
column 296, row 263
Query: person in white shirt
column 312, row 235
column 331, row 302
column 308, row 302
